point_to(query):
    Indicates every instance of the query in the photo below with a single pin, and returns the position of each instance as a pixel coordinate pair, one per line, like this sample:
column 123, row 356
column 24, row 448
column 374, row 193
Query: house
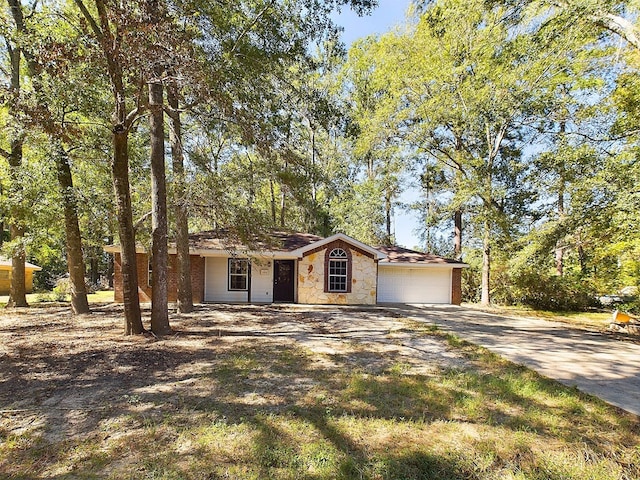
column 304, row 268
column 5, row 276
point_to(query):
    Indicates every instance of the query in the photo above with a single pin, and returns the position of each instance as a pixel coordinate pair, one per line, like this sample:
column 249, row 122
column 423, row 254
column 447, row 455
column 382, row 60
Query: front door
column 283, row 276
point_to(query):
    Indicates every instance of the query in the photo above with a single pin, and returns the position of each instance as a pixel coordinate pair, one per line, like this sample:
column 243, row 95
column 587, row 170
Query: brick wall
column 456, row 286
column 144, row 290
column 197, row 278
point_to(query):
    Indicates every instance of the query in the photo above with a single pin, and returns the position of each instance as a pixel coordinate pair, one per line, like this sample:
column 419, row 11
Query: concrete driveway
column 593, row 362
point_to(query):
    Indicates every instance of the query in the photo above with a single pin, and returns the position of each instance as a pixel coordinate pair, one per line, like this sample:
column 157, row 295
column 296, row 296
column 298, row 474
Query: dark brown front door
column 283, row 276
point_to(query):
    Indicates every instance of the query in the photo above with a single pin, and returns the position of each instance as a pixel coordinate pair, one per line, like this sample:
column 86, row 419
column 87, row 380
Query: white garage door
column 414, row 285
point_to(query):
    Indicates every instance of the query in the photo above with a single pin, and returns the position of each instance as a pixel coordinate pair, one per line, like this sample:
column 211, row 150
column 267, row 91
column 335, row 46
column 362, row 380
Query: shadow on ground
column 278, row 392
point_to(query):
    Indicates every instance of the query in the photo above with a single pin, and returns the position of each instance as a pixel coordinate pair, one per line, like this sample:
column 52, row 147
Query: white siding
column 414, row 285
column 216, row 282
column 262, row 281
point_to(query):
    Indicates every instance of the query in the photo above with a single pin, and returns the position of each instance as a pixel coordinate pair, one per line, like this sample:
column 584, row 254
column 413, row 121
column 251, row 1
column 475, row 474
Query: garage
column 408, row 276
column 398, row 284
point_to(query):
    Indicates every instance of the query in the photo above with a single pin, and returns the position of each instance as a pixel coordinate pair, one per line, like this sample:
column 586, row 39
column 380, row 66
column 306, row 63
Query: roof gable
column 377, row 254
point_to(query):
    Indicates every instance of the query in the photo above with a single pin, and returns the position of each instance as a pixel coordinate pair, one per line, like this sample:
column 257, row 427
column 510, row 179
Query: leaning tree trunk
column 111, row 44
column 159, row 251
column 184, row 294
column 75, row 261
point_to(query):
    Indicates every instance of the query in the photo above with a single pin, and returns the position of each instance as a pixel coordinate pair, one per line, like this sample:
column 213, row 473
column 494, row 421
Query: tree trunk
column 159, row 251
column 457, row 234
column 582, row 257
column 120, row 174
column 17, row 291
column 486, row 264
column 387, row 211
column 111, row 44
column 110, row 265
column 273, row 201
column 559, row 253
column 94, row 274
column 559, row 246
column 185, row 295
column 75, row 261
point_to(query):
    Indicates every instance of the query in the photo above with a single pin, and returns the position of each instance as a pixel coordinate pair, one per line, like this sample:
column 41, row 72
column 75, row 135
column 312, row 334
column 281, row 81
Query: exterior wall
column 217, row 279
column 5, row 283
column 197, row 278
column 144, row 290
column 311, row 278
column 262, row 281
column 456, row 286
column 216, row 283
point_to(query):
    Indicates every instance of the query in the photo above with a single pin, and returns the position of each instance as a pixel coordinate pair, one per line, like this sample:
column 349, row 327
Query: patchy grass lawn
column 589, row 320
column 101, row 296
column 282, row 392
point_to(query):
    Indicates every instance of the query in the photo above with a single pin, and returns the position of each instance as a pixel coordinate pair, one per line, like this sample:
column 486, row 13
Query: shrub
column 62, row 289
column 545, row 291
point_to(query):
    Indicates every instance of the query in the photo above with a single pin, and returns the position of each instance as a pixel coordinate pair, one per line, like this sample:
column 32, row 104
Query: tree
column 463, row 89
column 109, row 34
column 17, row 296
column 44, row 116
column 184, row 290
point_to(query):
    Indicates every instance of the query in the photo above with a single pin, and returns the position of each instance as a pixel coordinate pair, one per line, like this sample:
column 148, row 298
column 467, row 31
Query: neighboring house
column 304, row 268
column 5, row 276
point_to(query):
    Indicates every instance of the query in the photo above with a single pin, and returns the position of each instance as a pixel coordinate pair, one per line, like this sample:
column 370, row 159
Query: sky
column 388, row 15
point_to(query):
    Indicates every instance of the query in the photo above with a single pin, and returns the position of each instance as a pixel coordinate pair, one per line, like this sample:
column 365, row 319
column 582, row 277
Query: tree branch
column 92, row 23
column 141, row 220
column 251, row 25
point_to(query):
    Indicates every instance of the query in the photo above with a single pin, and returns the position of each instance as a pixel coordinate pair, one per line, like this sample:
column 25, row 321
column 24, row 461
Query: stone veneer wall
column 311, row 280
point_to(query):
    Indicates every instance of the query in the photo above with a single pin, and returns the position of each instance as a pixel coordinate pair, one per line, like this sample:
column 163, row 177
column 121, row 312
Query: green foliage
column 522, row 117
column 544, row 291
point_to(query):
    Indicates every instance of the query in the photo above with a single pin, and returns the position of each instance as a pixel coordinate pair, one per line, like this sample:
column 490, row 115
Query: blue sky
column 385, row 17
column 388, row 15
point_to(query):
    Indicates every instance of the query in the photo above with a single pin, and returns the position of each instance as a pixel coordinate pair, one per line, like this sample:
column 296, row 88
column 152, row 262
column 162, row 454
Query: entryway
column 283, row 278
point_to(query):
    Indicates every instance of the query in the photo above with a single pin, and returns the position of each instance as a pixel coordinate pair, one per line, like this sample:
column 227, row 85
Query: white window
column 238, row 274
column 338, row 266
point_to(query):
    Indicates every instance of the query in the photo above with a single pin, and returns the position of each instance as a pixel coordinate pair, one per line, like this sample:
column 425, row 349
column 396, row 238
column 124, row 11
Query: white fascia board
column 340, row 236
column 203, row 252
column 386, row 264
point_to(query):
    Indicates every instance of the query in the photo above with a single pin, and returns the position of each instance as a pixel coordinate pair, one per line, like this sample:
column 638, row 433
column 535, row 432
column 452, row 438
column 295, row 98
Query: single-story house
column 304, row 268
column 5, row 275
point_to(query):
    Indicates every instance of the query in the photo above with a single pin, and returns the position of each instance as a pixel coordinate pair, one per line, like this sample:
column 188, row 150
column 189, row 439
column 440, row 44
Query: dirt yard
column 80, row 400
